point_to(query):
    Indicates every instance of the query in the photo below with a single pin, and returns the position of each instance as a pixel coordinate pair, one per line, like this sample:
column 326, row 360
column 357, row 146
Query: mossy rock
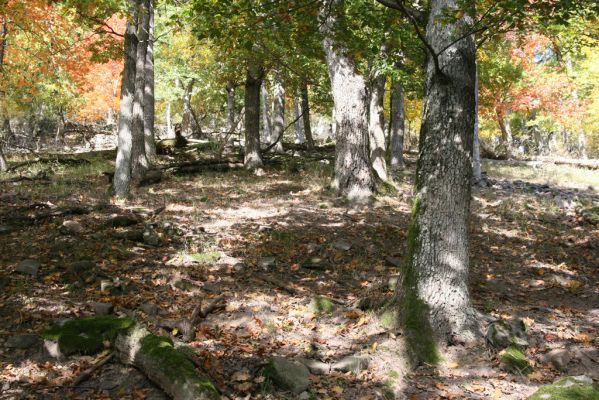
column 207, row 257
column 503, row 334
column 287, row 374
column 86, row 335
column 321, row 305
column 514, row 360
column 570, row 388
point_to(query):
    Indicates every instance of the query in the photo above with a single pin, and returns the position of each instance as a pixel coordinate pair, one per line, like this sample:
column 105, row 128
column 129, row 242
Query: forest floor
column 272, row 243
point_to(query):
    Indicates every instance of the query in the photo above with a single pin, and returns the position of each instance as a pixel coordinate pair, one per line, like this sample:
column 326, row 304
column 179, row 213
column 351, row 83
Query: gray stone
column 120, row 221
column 28, row 267
column 267, row 262
column 6, row 229
column 72, row 227
column 82, row 267
column 342, row 244
column 502, row 334
column 316, row 367
column 102, row 308
column 22, row 341
column 184, row 284
column 287, row 374
column 151, row 238
column 353, row 364
column 149, row 308
column 304, row 396
column 313, row 248
column 559, row 358
column 394, row 261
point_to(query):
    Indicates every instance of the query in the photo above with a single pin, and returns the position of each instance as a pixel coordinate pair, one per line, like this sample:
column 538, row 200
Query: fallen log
column 154, row 356
column 68, row 161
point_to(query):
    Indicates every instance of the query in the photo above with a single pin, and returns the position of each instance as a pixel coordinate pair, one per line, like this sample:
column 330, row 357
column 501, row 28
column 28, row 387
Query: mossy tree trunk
column 434, row 299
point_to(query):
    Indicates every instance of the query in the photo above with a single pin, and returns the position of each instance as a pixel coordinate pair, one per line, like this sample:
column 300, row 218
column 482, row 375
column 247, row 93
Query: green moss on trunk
column 414, row 313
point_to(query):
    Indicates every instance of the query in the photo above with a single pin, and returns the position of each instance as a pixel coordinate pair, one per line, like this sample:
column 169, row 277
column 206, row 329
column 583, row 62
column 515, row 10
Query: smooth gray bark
column 306, row 116
column 231, row 106
column 169, row 120
column 397, row 124
column 122, row 175
column 149, row 101
column 186, row 128
column 376, row 121
column 477, row 174
column 139, row 162
column 297, row 125
column 253, row 82
column 3, row 36
column 353, row 175
column 278, row 112
column 434, row 297
column 266, row 125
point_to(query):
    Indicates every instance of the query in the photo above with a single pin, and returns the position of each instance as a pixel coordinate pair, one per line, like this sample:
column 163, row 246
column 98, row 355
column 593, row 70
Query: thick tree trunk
column 122, row 174
column 3, row 35
column 186, row 129
column 434, row 299
column 266, row 126
column 3, row 163
column 397, row 125
column 376, row 121
column 253, row 82
column 231, row 106
column 477, row 174
column 297, row 125
column 353, row 175
column 139, row 162
column 278, row 112
column 149, row 103
column 306, row 116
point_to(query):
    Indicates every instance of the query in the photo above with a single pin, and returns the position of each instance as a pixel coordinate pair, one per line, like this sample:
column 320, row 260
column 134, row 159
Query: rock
column 184, row 284
column 113, row 288
column 149, row 308
column 316, row 367
column 514, row 360
column 342, row 244
column 353, row 364
column 559, row 358
column 313, row 248
column 570, row 388
column 6, row 229
column 72, row 227
column 102, row 308
column 394, row 261
column 304, row 396
column 267, row 262
column 288, row 374
column 28, row 267
column 22, row 341
column 151, row 238
column 121, row 221
column 564, row 282
column 82, row 267
column 392, row 282
column 133, row 235
column 321, row 305
column 502, row 334
column 316, row 263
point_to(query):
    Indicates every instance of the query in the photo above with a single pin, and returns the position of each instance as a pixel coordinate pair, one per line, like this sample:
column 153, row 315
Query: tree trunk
column 231, row 106
column 376, row 121
column 122, row 175
column 253, row 82
column 186, row 129
column 266, row 126
column 477, row 174
column 506, row 132
column 434, row 301
column 139, row 162
column 149, row 103
column 3, row 35
column 353, row 175
column 278, row 112
column 169, row 121
column 297, row 125
column 306, row 116
column 397, row 124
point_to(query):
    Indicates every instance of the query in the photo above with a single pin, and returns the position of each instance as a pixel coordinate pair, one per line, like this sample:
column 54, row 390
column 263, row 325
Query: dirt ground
column 270, row 244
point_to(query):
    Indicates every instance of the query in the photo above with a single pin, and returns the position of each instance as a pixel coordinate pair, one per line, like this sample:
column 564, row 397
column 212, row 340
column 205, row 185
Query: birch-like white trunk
column 297, row 125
